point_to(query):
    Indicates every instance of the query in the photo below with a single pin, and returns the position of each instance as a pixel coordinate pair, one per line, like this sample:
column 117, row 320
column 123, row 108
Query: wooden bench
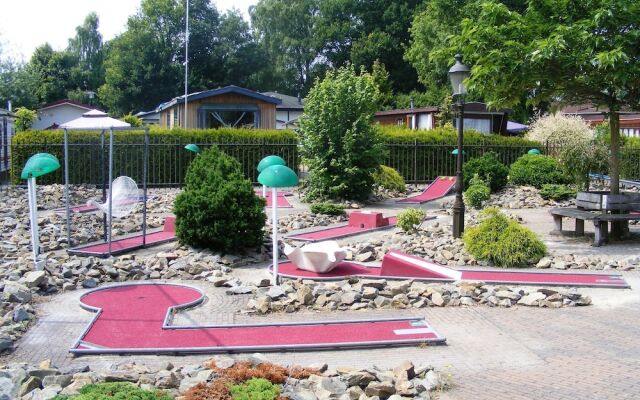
column 600, row 221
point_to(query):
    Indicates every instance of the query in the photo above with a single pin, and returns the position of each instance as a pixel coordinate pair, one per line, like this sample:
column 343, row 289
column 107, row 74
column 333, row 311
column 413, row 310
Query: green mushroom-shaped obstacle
column 267, row 162
column 36, row 166
column 192, row 147
column 276, row 176
column 534, row 152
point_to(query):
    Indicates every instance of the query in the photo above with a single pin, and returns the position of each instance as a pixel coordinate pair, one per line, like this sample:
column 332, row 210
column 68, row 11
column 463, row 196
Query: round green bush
column 389, row 179
column 410, row 219
column 115, row 391
column 327, row 209
column 557, row 192
column 503, row 241
column 489, row 169
column 218, row 208
column 536, row 170
column 476, row 195
column 255, row 389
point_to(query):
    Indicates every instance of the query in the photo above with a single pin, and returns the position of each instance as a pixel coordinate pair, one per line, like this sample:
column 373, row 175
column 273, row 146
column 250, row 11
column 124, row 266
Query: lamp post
column 457, row 74
column 276, row 176
column 37, row 165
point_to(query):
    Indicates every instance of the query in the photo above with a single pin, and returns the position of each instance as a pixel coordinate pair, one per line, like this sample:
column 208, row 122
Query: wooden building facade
column 231, row 106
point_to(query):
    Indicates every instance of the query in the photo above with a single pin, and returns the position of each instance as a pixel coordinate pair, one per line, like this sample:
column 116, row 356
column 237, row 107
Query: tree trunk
column 614, row 126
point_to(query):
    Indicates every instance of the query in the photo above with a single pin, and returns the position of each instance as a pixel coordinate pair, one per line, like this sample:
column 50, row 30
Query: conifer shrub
column 218, row 208
column 115, row 391
column 477, row 192
column 557, row 192
column 410, row 219
column 254, row 389
column 389, row 179
column 489, row 169
column 503, row 241
column 537, row 170
column 327, row 209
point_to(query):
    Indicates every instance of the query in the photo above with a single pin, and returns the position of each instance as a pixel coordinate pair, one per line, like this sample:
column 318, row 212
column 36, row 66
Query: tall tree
column 53, row 70
column 579, row 52
column 86, row 48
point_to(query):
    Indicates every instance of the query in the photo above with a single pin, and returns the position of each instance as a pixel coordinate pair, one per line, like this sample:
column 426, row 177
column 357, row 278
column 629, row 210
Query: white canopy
column 95, row 119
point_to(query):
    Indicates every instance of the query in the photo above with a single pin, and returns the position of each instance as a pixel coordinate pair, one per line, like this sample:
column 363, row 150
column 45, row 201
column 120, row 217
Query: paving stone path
column 519, row 353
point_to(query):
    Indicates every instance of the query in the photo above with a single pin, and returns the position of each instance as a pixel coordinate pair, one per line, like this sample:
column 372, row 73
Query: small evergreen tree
column 218, row 208
column 339, row 144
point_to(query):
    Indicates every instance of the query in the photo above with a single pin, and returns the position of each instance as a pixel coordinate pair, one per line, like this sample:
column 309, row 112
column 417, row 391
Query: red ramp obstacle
column 281, row 198
column 136, row 318
column 129, row 243
column 440, row 187
column 397, row 265
column 359, row 222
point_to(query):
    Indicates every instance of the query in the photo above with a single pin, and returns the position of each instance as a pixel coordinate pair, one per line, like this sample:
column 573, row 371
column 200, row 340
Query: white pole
column 186, row 67
column 264, row 192
column 274, row 233
column 33, row 213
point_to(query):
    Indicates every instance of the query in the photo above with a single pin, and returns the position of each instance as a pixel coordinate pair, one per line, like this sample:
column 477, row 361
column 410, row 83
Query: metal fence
column 168, row 160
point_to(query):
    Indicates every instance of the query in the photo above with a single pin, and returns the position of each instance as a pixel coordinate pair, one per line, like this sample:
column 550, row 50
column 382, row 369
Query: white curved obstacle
column 124, row 197
column 320, row 257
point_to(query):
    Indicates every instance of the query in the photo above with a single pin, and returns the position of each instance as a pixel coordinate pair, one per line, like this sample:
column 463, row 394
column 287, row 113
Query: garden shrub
column 536, row 170
column 327, row 209
column 560, row 129
column 410, row 219
column 503, row 241
column 218, row 208
column 557, row 192
column 489, row 169
column 339, row 143
column 115, row 391
column 389, row 179
column 255, row 389
column 477, row 192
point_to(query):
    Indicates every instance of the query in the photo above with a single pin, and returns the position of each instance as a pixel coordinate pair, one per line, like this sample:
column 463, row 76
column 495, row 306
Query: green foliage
column 132, row 120
column 115, row 391
column 581, row 158
column 489, row 169
column 410, row 219
column 503, row 241
column 557, row 192
column 218, row 208
column 327, row 209
column 167, row 154
column 536, row 170
column 25, row 119
column 339, row 144
column 255, row 389
column 389, row 179
column 559, row 130
column 477, row 193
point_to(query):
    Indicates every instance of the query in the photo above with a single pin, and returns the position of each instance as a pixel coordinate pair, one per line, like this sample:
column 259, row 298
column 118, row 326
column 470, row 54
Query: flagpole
column 186, row 67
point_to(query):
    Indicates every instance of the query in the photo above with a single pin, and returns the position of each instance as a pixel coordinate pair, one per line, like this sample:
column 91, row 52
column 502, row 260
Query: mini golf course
column 397, row 265
column 136, row 318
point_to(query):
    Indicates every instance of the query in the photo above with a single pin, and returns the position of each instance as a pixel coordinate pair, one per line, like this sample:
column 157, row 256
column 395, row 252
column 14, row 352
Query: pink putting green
column 440, row 187
column 136, row 319
column 397, row 265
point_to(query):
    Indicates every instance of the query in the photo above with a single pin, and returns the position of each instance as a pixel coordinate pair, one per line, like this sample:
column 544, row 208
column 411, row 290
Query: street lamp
column 457, row 74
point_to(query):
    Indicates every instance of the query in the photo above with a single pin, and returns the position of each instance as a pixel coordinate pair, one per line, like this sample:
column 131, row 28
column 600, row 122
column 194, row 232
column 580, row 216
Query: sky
column 26, row 24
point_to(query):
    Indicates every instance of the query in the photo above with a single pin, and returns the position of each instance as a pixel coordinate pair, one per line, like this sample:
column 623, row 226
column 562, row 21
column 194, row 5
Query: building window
column 228, row 116
column 399, row 122
column 168, row 119
column 480, row 125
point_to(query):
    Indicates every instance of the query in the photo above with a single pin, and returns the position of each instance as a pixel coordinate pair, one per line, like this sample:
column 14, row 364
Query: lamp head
column 457, row 74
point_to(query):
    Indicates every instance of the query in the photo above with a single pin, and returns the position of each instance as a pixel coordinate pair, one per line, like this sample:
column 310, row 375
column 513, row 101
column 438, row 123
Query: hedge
column 168, row 159
column 424, row 155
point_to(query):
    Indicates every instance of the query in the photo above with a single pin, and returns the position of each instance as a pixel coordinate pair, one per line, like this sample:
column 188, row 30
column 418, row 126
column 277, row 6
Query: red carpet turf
column 132, row 318
column 437, row 189
column 401, row 267
column 337, row 232
column 281, row 198
column 119, row 246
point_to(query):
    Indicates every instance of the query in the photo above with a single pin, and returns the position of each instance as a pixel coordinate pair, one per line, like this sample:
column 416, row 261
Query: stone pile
column 363, row 294
column 513, row 197
column 294, row 222
column 44, row 382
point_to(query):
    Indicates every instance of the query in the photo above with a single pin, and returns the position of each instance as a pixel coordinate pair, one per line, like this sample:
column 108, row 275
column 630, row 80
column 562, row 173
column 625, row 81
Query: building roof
column 95, row 119
column 406, row 111
column 477, row 107
column 5, row 112
column 288, row 102
column 218, row 92
column 589, row 109
column 516, row 127
column 58, row 103
column 143, row 114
